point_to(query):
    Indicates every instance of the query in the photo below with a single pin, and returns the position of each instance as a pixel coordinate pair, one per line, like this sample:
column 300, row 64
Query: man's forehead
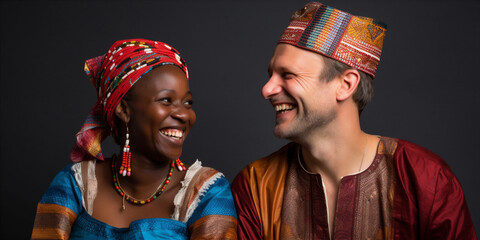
column 289, row 56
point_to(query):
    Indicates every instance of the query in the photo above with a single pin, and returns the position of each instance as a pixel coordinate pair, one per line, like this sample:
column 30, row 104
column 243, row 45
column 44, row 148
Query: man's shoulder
column 420, row 160
column 418, row 154
column 265, row 176
column 270, row 168
column 275, row 160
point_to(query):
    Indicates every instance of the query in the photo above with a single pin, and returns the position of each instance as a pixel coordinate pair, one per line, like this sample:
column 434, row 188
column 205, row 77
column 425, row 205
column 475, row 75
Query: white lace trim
column 177, row 201
column 91, row 181
column 200, row 194
column 77, row 173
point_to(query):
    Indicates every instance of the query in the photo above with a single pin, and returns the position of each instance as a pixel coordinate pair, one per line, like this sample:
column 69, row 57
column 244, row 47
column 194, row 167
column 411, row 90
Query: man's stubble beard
column 301, row 126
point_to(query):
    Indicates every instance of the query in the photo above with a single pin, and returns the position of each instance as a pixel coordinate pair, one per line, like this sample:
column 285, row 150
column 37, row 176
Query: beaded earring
column 180, row 166
column 126, row 169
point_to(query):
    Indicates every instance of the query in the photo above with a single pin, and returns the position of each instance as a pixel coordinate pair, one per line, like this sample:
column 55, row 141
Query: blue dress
column 61, row 213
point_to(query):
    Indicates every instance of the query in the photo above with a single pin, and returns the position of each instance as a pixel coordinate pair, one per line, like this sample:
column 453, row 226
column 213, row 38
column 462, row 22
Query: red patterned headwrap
column 113, row 74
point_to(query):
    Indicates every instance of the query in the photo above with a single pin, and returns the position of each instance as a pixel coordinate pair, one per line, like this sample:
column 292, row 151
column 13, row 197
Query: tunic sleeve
column 213, row 214
column 59, row 207
column 429, row 200
column 249, row 226
column 449, row 217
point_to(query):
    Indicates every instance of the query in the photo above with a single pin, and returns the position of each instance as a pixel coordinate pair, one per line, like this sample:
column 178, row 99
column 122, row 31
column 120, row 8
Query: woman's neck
column 146, row 175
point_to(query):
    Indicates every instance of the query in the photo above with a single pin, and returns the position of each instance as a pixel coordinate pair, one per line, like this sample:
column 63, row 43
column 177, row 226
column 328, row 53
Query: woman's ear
column 122, row 111
column 349, row 82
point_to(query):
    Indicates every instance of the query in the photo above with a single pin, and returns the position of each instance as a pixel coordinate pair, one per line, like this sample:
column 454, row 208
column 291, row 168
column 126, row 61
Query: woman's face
column 161, row 113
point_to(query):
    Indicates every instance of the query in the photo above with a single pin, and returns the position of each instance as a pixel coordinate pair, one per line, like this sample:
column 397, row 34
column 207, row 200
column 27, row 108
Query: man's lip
column 284, row 101
column 276, row 104
column 278, row 101
column 282, row 114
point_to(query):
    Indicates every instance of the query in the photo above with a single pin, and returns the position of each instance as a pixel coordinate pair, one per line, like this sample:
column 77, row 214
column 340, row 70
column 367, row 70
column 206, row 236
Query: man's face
column 302, row 100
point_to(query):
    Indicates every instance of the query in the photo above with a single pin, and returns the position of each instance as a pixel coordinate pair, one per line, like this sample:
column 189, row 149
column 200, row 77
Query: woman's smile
column 176, row 136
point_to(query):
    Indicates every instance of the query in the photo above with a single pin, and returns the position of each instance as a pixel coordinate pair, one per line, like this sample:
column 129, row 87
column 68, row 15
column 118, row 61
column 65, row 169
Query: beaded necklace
column 155, row 195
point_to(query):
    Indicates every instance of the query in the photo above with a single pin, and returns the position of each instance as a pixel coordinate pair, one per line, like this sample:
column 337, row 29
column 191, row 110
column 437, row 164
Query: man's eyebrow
column 285, row 69
column 280, row 69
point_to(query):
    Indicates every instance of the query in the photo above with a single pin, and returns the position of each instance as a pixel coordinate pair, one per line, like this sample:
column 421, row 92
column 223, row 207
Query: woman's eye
column 165, row 100
column 188, row 103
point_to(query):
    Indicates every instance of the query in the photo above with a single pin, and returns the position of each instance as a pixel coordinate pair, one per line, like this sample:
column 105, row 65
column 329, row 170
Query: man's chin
column 280, row 132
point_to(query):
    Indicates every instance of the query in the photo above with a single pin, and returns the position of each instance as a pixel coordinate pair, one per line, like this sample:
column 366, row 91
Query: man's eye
column 287, row 75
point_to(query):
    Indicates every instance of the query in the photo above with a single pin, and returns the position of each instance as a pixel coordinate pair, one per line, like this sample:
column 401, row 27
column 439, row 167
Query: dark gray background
column 426, row 87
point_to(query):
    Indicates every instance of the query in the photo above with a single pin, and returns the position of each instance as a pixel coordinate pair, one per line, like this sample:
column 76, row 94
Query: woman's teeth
column 172, row 133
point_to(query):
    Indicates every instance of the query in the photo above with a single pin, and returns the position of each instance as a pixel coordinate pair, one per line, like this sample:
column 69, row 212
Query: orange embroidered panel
column 214, row 227
column 53, row 222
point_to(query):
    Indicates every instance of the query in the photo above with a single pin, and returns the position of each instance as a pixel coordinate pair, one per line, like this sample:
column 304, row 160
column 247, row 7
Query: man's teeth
column 172, row 133
column 283, row 107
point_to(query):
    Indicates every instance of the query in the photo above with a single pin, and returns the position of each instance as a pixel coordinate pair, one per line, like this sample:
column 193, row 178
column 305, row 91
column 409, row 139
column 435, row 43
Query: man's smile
column 284, row 107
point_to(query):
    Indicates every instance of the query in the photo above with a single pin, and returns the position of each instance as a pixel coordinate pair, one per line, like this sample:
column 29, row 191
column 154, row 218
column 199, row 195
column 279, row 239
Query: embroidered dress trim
column 86, row 170
column 201, row 192
column 177, row 201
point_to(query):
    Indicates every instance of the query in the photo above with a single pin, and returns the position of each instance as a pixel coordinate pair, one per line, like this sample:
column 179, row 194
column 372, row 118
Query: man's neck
column 336, row 150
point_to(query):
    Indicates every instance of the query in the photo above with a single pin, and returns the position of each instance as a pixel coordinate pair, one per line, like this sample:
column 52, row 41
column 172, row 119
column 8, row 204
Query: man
column 334, row 181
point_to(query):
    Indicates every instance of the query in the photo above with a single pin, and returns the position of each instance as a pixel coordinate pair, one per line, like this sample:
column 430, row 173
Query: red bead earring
column 125, row 168
column 180, row 165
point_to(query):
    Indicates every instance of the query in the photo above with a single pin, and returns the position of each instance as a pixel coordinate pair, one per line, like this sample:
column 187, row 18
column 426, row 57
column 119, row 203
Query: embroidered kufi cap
column 354, row 40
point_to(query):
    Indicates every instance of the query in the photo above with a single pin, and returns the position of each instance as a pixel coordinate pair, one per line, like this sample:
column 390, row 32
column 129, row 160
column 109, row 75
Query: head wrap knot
column 113, row 74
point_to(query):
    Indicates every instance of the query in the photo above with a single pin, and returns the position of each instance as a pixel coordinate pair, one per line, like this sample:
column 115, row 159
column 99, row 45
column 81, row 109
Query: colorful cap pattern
column 354, row 40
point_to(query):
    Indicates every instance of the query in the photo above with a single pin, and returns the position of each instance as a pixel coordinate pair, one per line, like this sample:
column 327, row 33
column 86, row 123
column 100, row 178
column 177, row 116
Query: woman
column 145, row 192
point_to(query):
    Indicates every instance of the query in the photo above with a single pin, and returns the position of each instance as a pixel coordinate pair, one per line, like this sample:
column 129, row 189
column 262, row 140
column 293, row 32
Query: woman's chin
column 170, row 156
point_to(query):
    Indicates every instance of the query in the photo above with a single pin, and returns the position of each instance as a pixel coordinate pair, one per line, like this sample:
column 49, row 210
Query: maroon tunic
column 407, row 192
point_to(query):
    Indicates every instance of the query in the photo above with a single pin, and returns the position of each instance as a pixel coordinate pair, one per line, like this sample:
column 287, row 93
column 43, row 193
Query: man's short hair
column 364, row 92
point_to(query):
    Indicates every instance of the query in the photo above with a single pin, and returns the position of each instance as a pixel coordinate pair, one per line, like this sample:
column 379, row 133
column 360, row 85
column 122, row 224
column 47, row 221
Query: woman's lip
column 174, row 140
column 173, row 128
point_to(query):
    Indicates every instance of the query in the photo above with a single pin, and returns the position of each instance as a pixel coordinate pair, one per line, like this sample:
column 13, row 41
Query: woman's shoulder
column 201, row 187
column 65, row 177
column 63, row 190
column 198, row 181
column 198, row 175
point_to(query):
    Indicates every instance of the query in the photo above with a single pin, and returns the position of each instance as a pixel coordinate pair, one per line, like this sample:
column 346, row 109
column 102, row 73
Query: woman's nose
column 180, row 113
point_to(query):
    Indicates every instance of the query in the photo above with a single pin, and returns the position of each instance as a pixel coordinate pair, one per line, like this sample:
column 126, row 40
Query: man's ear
column 122, row 111
column 348, row 85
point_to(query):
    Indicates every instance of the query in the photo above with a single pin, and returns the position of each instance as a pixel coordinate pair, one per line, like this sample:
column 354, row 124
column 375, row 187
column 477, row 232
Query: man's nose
column 272, row 87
